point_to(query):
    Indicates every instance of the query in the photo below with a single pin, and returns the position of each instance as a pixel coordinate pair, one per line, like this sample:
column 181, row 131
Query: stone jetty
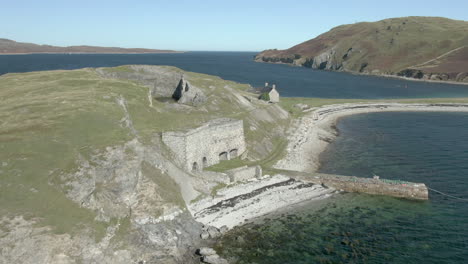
column 375, row 185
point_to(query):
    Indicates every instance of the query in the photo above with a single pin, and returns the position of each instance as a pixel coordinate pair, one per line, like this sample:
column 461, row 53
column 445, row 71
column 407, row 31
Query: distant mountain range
column 8, row 46
column 428, row 48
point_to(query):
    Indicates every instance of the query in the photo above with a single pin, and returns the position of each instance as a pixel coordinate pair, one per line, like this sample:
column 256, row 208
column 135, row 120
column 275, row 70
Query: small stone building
column 273, row 95
column 219, row 139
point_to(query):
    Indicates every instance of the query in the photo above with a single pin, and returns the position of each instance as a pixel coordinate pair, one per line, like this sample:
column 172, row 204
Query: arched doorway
column 233, row 153
column 223, row 156
column 195, row 166
column 205, row 162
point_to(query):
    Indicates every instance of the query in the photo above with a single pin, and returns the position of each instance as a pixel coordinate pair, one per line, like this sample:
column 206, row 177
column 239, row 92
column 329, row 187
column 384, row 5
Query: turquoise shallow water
column 353, row 228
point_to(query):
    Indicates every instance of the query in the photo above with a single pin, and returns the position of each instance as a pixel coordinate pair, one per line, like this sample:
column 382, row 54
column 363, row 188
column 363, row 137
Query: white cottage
column 273, row 95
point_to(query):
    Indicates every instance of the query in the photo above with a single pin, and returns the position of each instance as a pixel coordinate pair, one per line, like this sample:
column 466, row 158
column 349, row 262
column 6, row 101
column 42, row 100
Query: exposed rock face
column 208, row 255
column 185, row 93
column 167, row 242
column 326, row 61
column 121, row 184
column 163, row 82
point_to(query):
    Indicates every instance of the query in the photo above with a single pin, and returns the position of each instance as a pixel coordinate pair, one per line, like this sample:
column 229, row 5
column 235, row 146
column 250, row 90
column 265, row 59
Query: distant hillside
column 12, row 47
column 430, row 48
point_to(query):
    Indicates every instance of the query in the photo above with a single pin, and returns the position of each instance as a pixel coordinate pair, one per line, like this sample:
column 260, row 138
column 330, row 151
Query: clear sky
column 236, row 25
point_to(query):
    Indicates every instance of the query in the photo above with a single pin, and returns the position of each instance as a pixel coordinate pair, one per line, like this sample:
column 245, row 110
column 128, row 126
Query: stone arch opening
column 195, row 166
column 233, row 153
column 223, row 156
column 186, row 87
column 205, row 162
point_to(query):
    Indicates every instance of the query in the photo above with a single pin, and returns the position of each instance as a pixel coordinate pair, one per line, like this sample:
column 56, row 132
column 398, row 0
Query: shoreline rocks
column 238, row 204
column 208, row 255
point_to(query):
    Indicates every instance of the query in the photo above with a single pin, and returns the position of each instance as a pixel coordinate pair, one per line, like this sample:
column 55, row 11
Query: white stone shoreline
column 239, row 203
column 311, row 134
column 236, row 204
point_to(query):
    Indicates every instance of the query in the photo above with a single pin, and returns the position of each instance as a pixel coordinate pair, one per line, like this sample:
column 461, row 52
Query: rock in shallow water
column 214, row 259
column 213, row 231
column 204, row 235
column 206, row 251
column 223, row 229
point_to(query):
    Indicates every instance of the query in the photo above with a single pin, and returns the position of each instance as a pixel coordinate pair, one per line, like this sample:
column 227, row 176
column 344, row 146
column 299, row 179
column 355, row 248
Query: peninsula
column 144, row 164
column 424, row 48
column 8, row 46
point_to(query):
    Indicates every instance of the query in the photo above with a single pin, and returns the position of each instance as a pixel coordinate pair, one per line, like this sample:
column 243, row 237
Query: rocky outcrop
column 208, row 255
column 185, row 93
column 162, row 81
column 168, row 242
column 325, row 61
column 429, row 76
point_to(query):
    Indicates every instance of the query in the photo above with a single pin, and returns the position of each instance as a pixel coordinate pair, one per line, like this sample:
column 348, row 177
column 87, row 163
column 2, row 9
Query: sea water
column 427, row 147
column 240, row 67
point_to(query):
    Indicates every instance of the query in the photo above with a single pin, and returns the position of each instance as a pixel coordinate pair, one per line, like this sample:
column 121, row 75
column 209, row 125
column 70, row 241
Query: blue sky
column 238, row 25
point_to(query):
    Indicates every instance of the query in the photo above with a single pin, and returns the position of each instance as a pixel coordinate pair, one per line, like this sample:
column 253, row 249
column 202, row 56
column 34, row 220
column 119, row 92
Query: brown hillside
column 390, row 46
column 12, row 47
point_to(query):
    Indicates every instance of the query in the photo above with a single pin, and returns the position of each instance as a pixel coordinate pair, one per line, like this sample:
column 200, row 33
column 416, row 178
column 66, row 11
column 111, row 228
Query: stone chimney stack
column 266, row 84
column 274, row 86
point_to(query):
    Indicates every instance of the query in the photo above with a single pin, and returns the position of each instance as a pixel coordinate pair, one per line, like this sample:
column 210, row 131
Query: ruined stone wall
column 206, row 145
column 244, row 173
column 177, row 142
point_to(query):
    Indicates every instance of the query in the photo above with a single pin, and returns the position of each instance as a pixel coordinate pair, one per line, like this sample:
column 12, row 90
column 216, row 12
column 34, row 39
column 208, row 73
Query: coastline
column 238, row 203
column 310, row 135
column 76, row 53
column 391, row 76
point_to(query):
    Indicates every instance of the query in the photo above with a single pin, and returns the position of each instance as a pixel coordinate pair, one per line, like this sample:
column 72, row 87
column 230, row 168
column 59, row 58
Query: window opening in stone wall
column 205, row 162
column 195, row 167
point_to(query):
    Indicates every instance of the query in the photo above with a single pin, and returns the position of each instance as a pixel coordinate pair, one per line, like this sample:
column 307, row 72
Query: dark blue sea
column 240, row 67
column 354, row 228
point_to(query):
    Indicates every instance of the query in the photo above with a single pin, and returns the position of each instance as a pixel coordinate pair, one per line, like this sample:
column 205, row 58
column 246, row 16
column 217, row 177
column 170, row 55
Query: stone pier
column 394, row 188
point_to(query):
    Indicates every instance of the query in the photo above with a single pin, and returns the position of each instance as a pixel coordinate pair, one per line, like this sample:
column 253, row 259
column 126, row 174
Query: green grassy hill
column 82, row 165
column 421, row 47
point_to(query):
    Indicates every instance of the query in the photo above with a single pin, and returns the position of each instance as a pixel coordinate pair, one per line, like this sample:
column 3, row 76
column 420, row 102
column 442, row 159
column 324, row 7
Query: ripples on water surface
column 351, row 228
column 240, row 67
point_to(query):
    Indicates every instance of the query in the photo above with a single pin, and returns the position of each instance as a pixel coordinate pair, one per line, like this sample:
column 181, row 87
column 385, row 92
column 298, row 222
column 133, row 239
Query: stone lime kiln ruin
column 219, row 139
